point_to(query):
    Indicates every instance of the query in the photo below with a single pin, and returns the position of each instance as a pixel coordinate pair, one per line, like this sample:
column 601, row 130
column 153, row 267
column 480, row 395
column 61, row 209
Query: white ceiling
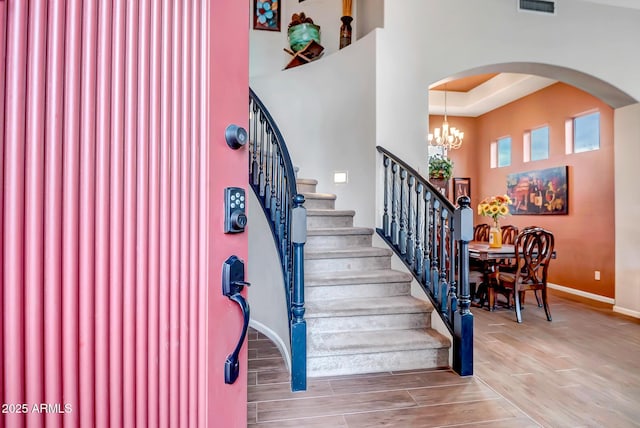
column 494, row 93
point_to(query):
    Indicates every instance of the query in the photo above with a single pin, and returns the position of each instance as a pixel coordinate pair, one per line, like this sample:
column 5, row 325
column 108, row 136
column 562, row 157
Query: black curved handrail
column 431, row 237
column 273, row 180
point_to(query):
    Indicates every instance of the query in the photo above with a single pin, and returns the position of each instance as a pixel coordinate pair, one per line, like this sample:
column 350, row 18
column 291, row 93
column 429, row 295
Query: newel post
column 463, row 318
column 298, row 324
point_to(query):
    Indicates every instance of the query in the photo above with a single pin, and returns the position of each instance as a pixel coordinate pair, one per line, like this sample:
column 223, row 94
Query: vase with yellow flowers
column 495, row 207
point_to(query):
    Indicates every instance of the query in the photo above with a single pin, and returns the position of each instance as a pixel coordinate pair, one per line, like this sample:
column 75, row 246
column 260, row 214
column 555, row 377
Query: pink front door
column 112, row 169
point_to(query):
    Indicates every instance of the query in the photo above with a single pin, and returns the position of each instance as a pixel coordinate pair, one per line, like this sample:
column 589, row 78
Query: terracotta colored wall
column 584, row 237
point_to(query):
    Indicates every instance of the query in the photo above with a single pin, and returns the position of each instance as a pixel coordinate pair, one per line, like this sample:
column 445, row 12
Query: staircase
column 360, row 315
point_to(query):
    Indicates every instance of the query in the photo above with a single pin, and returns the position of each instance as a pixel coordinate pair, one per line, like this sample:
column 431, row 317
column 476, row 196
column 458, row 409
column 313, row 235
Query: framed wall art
column 266, row 15
column 541, row 192
column 461, row 187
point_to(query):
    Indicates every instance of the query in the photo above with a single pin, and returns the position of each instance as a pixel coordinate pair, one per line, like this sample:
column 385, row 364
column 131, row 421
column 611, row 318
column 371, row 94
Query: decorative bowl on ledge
column 300, row 35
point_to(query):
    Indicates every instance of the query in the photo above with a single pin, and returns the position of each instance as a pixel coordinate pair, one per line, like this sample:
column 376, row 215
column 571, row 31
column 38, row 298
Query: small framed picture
column 461, row 187
column 266, row 15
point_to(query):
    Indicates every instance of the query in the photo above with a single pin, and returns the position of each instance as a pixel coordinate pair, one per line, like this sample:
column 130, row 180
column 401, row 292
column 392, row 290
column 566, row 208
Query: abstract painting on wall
column 266, row 15
column 541, row 192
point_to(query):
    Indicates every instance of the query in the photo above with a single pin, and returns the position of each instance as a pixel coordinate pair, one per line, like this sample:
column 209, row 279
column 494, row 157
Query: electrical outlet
column 597, row 275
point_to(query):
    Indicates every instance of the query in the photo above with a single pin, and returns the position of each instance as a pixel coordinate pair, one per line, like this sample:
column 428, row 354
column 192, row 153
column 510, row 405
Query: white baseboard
column 581, row 293
column 625, row 311
column 275, row 339
column 609, row 300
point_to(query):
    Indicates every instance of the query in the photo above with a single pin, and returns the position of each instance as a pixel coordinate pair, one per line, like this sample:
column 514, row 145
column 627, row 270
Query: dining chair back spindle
column 509, row 234
column 481, row 232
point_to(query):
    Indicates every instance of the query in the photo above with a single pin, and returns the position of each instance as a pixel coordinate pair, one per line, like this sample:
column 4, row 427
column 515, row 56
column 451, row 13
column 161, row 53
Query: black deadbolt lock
column 236, row 136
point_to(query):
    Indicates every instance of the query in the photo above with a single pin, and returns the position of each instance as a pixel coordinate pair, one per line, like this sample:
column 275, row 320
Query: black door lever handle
column 232, row 365
column 232, row 284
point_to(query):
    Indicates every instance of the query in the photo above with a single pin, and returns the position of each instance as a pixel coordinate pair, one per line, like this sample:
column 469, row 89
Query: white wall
column 266, row 296
column 627, row 157
column 326, row 112
column 369, row 16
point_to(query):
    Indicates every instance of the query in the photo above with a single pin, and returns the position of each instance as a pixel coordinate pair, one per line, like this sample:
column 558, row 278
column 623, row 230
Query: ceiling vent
column 539, row 6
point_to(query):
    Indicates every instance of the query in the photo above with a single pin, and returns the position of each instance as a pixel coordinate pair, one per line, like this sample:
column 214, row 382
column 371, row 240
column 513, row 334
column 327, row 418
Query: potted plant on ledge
column 440, row 171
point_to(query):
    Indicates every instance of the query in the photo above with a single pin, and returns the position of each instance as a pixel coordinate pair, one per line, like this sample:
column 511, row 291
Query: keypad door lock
column 235, row 218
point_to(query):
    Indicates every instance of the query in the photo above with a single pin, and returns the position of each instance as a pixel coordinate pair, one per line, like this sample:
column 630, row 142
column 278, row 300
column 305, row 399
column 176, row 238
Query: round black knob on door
column 236, row 136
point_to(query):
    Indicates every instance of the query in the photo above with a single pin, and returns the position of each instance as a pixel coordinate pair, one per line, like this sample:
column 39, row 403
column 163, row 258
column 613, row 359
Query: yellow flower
column 495, row 206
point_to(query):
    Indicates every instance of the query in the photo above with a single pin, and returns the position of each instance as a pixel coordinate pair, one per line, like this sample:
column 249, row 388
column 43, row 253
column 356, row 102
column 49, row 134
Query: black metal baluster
column 272, row 190
column 403, row 216
column 282, row 204
column 444, row 286
column 276, row 192
column 453, row 284
column 434, row 248
column 385, row 216
column 410, row 220
column 426, row 264
column 283, row 226
column 394, row 205
column 263, row 148
column 419, row 222
column 268, row 173
column 255, row 177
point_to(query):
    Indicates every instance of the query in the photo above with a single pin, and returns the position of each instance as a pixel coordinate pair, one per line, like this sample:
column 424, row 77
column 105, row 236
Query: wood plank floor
column 581, row 370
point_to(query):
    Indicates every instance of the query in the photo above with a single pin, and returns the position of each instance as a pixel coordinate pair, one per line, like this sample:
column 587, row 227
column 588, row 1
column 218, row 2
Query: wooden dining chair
column 534, row 248
column 481, row 232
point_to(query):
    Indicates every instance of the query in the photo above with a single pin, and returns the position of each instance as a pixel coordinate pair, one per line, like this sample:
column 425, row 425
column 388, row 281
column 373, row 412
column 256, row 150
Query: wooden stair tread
column 341, row 343
column 342, row 253
column 367, row 306
column 357, row 277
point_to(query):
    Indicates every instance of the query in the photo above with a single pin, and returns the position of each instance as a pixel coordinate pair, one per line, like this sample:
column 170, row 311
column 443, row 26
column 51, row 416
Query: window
column 504, row 151
column 586, row 132
column 540, row 143
column 436, row 150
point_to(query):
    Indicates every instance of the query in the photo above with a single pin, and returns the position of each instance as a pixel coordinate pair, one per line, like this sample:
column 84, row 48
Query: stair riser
column 319, row 204
column 348, row 263
column 306, row 188
column 355, row 291
column 337, row 241
column 376, row 362
column 368, row 322
column 318, row 221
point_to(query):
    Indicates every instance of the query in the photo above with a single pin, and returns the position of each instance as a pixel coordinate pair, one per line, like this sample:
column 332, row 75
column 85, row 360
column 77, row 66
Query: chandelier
column 449, row 138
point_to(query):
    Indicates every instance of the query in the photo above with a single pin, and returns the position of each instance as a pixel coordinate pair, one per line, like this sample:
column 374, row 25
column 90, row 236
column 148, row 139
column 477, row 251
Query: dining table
column 490, row 257
column 480, row 250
